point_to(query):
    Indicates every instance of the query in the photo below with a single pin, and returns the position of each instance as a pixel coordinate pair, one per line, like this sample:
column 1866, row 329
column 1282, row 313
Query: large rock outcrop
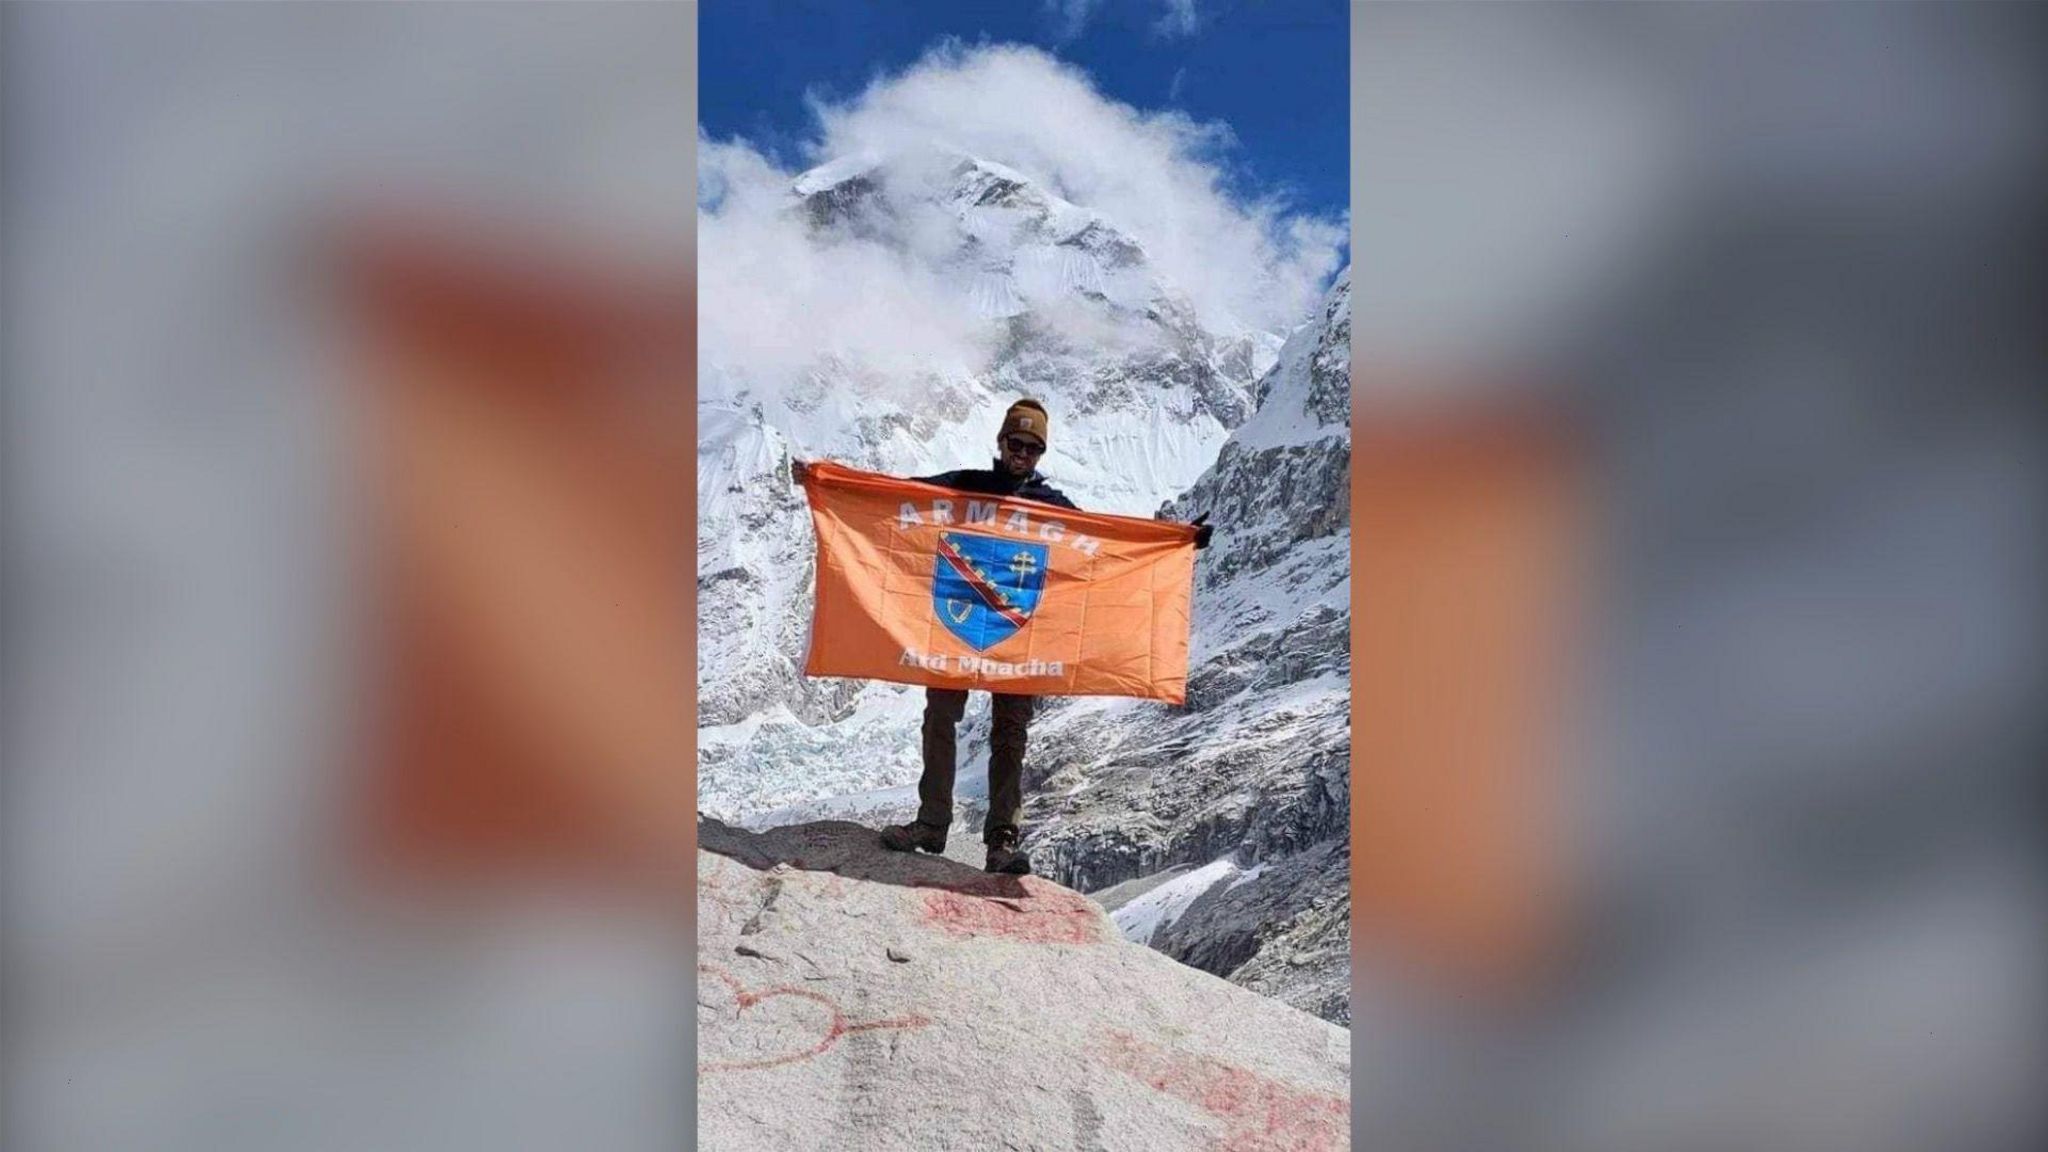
column 851, row 998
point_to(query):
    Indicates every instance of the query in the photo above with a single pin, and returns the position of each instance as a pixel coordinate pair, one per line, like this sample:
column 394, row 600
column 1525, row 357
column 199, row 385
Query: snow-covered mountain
column 1142, row 396
column 1153, row 408
column 1220, row 834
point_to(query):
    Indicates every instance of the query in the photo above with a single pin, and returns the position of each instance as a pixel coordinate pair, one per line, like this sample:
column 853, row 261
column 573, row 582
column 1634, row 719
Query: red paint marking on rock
column 715, row 885
column 711, row 886
column 1032, row 911
column 838, row 1025
column 1259, row 1113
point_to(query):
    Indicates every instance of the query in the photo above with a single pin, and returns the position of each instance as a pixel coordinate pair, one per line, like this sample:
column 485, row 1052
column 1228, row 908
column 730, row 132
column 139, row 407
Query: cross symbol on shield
column 985, row 588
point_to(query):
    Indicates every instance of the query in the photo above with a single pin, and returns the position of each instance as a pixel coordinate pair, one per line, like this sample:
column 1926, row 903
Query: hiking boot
column 916, row 834
column 1004, row 857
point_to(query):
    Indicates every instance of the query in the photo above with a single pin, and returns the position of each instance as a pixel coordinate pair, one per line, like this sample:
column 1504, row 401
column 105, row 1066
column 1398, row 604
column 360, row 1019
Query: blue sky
column 1277, row 73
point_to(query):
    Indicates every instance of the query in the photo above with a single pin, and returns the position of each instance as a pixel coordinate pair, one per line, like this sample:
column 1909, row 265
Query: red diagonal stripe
column 981, row 586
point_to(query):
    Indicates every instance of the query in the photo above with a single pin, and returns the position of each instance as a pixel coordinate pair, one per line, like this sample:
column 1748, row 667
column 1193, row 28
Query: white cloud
column 776, row 297
column 1180, row 19
column 774, row 301
column 1069, row 17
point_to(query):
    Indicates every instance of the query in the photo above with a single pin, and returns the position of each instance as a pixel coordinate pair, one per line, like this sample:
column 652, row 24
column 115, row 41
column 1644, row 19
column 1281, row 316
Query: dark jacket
column 996, row 482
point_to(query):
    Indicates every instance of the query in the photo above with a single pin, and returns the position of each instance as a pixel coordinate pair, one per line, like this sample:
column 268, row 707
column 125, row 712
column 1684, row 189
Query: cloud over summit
column 1160, row 177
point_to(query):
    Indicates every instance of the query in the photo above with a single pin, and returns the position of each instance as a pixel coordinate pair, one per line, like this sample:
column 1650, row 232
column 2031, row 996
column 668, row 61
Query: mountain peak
column 834, row 173
column 972, row 166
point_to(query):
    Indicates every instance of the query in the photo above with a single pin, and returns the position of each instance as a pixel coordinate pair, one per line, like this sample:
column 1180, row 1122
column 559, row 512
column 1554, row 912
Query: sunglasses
column 1024, row 447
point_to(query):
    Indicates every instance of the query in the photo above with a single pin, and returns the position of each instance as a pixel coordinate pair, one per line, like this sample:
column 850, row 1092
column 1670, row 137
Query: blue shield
column 985, row 588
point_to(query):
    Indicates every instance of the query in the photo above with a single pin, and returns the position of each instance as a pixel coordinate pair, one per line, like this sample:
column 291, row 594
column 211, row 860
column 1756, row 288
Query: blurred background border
column 1766, row 871
column 347, row 368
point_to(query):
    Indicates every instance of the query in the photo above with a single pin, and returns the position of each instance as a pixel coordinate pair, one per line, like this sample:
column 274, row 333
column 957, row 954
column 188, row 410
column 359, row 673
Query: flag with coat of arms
column 920, row 584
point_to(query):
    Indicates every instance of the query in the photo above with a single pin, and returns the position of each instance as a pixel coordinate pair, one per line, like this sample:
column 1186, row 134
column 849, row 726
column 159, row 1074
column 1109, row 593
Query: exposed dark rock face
column 1255, row 772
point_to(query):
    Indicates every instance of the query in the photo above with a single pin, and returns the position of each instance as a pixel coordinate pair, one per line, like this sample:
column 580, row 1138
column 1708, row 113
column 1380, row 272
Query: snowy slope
column 1250, row 784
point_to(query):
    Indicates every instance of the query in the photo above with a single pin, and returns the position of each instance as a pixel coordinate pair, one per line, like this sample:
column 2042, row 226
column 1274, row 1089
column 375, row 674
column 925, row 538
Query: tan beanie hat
column 1026, row 418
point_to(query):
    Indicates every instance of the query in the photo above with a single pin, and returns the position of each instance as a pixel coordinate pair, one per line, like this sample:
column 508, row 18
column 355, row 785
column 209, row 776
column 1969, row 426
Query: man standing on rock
column 1014, row 474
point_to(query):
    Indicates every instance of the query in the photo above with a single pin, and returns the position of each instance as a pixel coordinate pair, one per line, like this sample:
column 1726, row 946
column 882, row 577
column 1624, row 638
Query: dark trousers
column 1010, row 719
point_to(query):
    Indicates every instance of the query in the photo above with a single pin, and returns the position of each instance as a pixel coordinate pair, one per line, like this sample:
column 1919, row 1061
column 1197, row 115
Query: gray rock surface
column 853, row 998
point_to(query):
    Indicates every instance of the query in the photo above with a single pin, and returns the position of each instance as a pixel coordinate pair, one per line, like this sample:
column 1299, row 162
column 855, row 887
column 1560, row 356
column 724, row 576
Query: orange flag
column 926, row 585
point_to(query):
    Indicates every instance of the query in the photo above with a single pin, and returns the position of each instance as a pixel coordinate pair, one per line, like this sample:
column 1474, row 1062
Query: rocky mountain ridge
column 1221, row 832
